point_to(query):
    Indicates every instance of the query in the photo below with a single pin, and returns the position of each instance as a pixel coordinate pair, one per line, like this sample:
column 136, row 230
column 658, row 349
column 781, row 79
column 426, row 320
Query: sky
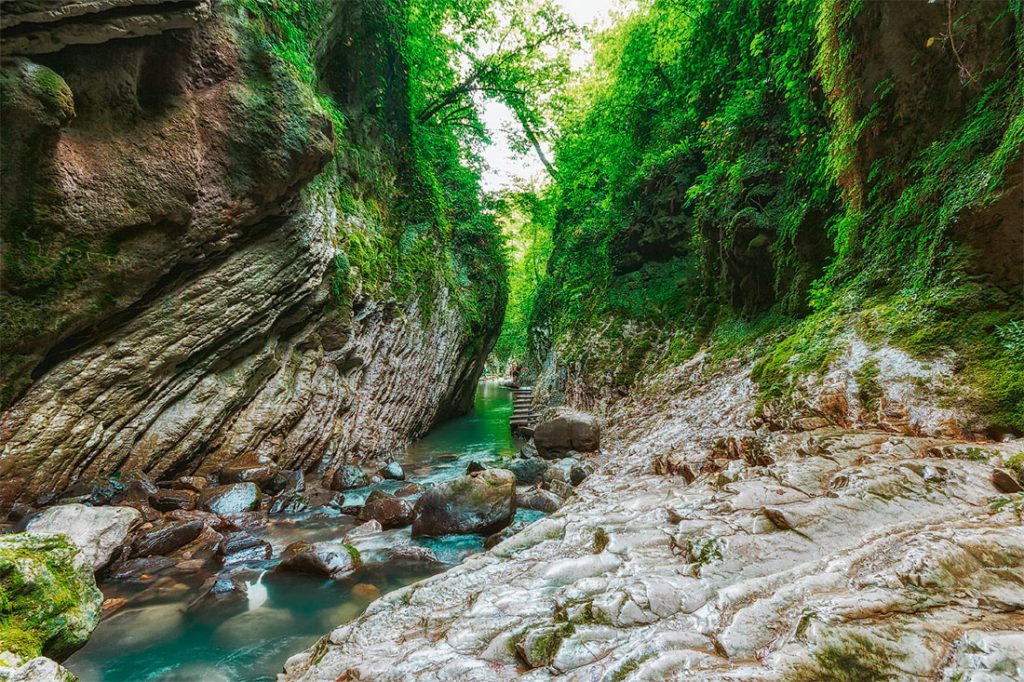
column 504, row 168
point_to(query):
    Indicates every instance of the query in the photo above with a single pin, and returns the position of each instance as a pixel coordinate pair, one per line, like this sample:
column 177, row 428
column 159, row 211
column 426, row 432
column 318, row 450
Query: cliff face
column 170, row 274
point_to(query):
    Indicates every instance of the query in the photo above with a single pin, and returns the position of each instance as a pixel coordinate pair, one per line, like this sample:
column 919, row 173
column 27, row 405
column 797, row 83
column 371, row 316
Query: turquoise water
column 168, row 632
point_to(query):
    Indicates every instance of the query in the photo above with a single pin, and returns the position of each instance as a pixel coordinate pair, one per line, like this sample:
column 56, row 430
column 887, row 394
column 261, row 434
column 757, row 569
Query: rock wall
column 166, row 301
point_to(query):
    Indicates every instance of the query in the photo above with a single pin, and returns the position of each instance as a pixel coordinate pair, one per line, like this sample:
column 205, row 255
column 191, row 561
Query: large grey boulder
column 479, row 503
column 230, row 499
column 50, row 600
column 569, row 430
column 329, row 559
column 97, row 531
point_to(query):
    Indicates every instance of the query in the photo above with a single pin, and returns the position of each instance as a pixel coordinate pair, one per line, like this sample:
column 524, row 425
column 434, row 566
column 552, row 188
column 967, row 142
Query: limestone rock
column 51, row 602
column 538, row 499
column 528, row 471
column 165, row 538
column 250, row 468
column 386, row 509
column 39, row 669
column 480, row 503
column 170, row 500
column 97, row 531
column 569, row 430
column 348, row 477
column 392, row 472
column 241, row 546
column 329, row 559
column 230, row 499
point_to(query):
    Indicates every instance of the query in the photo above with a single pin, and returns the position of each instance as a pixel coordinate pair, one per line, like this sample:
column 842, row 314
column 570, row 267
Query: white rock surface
column 97, row 531
column 793, row 556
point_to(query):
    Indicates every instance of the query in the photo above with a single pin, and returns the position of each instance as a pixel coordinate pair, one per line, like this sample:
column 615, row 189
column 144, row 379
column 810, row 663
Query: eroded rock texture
column 703, row 549
column 166, row 301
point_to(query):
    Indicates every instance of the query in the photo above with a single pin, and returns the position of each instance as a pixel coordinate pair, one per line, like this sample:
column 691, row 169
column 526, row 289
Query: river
column 169, row 631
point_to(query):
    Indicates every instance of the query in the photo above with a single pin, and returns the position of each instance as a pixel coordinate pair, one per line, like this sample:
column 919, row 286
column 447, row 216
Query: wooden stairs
column 523, row 418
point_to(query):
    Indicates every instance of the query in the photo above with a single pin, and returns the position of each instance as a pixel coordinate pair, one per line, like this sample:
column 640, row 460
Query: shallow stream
column 168, row 632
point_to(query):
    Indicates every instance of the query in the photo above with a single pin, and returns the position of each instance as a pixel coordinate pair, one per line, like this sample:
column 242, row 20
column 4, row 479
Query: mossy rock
column 49, row 602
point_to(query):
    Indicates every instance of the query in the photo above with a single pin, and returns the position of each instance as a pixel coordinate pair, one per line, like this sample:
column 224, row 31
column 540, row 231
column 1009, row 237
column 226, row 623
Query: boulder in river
column 97, row 531
column 167, row 537
column 348, row 477
column 250, row 468
column 480, row 503
column 329, row 559
column 50, row 600
column 570, row 430
column 388, row 510
column 539, row 500
column 528, row 471
column 392, row 472
column 241, row 546
column 38, row 669
column 230, row 499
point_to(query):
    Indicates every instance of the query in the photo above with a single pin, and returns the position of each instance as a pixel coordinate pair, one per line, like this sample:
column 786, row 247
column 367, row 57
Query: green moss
column 851, row 658
column 354, row 553
column 869, row 391
column 629, row 666
column 48, row 606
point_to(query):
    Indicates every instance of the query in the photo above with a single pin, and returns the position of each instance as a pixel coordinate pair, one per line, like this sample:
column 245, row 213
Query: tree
column 516, row 53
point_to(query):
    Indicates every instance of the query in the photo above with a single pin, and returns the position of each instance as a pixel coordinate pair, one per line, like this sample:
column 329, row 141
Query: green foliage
column 525, row 218
column 726, row 167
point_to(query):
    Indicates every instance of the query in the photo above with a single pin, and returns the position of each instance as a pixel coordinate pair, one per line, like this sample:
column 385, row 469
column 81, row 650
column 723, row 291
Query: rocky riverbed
column 223, row 577
column 708, row 547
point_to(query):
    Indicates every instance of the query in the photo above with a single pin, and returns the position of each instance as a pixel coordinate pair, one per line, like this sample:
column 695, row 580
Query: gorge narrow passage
column 174, row 626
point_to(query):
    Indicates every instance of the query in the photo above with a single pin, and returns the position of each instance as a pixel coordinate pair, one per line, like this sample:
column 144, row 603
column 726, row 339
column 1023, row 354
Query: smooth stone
column 481, row 503
column 348, row 477
column 388, row 510
column 329, row 559
column 570, row 430
column 230, row 499
column 170, row 500
column 97, row 531
column 392, row 472
column 168, row 537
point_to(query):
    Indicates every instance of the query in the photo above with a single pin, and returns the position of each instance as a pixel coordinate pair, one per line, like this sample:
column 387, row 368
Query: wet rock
column 97, row 531
column 539, row 500
column 365, row 592
column 540, row 645
column 50, row 601
column 562, row 470
column 1005, row 482
column 138, row 487
column 289, row 503
column 196, row 484
column 206, row 546
column 242, row 546
column 388, row 510
column 363, row 530
column 250, row 468
column 166, row 538
column 474, row 467
column 528, row 471
column 392, row 472
column 141, row 569
column 495, row 539
column 97, row 492
column 329, row 559
column 348, row 477
column 570, row 430
column 481, row 503
column 410, row 489
column 169, row 500
column 230, row 499
column 39, row 669
column 294, row 481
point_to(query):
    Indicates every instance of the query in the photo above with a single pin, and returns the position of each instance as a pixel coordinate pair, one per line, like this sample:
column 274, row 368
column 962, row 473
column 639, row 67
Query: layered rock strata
column 706, row 549
column 167, row 299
